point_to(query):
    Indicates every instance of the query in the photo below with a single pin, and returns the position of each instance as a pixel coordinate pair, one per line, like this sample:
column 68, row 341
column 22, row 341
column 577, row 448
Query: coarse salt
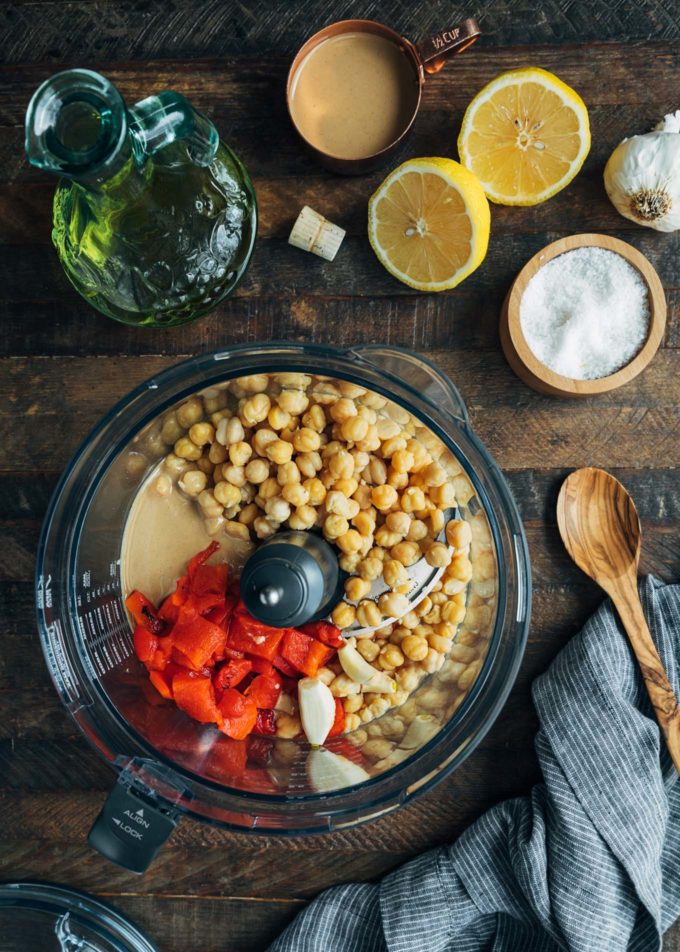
column 585, row 314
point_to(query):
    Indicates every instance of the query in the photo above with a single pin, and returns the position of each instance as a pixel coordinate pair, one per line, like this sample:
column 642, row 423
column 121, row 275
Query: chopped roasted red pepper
column 251, row 636
column 339, row 722
column 194, row 694
column 196, row 641
column 265, row 690
column 285, row 667
column 145, row 644
column 162, row 683
column 324, row 632
column 200, row 558
column 304, row 653
column 239, row 714
column 232, row 673
column 210, row 579
column 262, row 666
column 144, row 613
column 266, row 722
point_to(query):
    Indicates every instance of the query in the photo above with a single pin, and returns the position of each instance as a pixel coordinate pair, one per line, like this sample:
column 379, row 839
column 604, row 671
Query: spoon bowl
column 600, row 529
column 599, row 525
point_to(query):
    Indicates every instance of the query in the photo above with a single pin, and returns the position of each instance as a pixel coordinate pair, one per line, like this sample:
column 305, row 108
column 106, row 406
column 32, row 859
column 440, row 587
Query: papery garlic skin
column 642, row 179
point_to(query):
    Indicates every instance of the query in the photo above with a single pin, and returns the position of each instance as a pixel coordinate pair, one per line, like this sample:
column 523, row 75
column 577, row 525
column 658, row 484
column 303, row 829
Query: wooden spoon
column 600, row 528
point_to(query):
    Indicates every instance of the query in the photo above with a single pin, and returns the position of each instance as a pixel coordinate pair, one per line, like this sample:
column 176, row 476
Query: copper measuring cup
column 426, row 57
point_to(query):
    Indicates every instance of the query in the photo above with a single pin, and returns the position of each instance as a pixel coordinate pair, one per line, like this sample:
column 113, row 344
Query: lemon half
column 428, row 223
column 525, row 135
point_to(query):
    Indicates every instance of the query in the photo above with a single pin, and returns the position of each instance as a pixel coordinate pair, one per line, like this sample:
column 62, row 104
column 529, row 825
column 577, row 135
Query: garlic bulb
column 642, row 176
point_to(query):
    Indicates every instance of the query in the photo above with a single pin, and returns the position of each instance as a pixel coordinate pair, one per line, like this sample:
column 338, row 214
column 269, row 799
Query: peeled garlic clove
column 328, row 771
column 422, row 728
column 317, row 709
column 358, row 669
column 312, row 232
column 354, row 666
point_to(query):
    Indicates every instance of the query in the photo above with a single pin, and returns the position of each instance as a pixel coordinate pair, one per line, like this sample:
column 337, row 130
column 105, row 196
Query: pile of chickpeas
column 291, row 450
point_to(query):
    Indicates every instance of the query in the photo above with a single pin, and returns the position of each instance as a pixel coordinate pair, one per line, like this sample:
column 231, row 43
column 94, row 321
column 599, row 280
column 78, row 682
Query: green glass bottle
column 154, row 218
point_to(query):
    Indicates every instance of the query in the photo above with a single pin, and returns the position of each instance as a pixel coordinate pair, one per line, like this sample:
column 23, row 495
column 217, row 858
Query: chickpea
column 171, row 430
column 371, row 442
column 370, row 568
column 408, row 678
column 253, row 383
column 277, row 509
column 390, row 657
column 414, row 647
column 309, row 464
column 344, row 686
column 402, row 461
column 335, row 526
column 288, row 726
column 278, row 419
column 190, row 412
column 343, row 410
column 163, row 485
column 399, row 522
column 208, row 503
column 443, row 496
column 452, row 613
column 437, row 521
column 437, row 555
column 398, row 480
column 269, row 488
column 236, row 530
column 202, row 433
column 393, row 605
column 460, row 568
column 368, row 614
column 361, row 459
column 467, row 678
column 314, row 419
column 349, row 563
column 278, row 451
column 354, row 429
column 387, row 539
column 341, row 465
column 417, row 531
column 433, row 661
column 368, row 649
column 434, row 475
column 412, row 499
column 257, row 471
column 236, row 475
column 294, row 402
column 213, row 524
column 349, row 541
column 346, row 486
column 255, row 409
column 352, row 704
column 217, row 453
column 295, row 494
column 287, row 473
column 343, row 615
column 364, row 523
column 227, row 494
column 186, row 449
column 304, row 517
column 384, row 497
column 357, row 588
column 249, row 514
column 377, row 471
column 230, row 431
column 406, row 552
column 394, row 573
column 193, row 482
column 392, row 445
column 264, row 529
column 315, row 490
column 240, row 453
column 439, row 643
column 387, row 428
column 205, row 465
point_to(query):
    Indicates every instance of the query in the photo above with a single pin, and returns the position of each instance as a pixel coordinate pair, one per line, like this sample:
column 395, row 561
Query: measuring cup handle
column 436, row 49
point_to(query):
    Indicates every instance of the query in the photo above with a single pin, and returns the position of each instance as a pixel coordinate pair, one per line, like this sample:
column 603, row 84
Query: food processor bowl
column 169, row 765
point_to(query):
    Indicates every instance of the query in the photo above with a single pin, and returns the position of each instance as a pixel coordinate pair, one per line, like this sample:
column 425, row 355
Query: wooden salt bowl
column 534, row 373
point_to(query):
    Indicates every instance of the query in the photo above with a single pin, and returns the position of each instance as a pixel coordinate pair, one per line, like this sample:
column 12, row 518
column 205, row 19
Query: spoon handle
column 661, row 694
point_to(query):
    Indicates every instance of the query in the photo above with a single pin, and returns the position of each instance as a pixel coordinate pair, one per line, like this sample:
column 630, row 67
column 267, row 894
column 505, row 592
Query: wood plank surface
column 62, row 366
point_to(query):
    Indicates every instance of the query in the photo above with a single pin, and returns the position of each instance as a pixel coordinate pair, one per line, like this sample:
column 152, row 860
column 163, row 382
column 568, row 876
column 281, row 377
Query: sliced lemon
column 525, row 136
column 428, row 223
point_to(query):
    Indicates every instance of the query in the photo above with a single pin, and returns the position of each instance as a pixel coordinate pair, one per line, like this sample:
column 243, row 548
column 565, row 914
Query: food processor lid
column 48, row 917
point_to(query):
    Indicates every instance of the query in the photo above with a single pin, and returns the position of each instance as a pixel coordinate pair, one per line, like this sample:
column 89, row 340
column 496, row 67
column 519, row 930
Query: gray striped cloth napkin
column 589, row 862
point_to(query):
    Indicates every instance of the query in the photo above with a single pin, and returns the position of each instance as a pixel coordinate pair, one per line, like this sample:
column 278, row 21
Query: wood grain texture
column 600, row 529
column 62, row 366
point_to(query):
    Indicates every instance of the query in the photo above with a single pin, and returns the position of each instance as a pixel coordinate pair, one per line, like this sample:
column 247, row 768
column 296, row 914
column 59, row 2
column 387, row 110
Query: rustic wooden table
column 63, row 365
